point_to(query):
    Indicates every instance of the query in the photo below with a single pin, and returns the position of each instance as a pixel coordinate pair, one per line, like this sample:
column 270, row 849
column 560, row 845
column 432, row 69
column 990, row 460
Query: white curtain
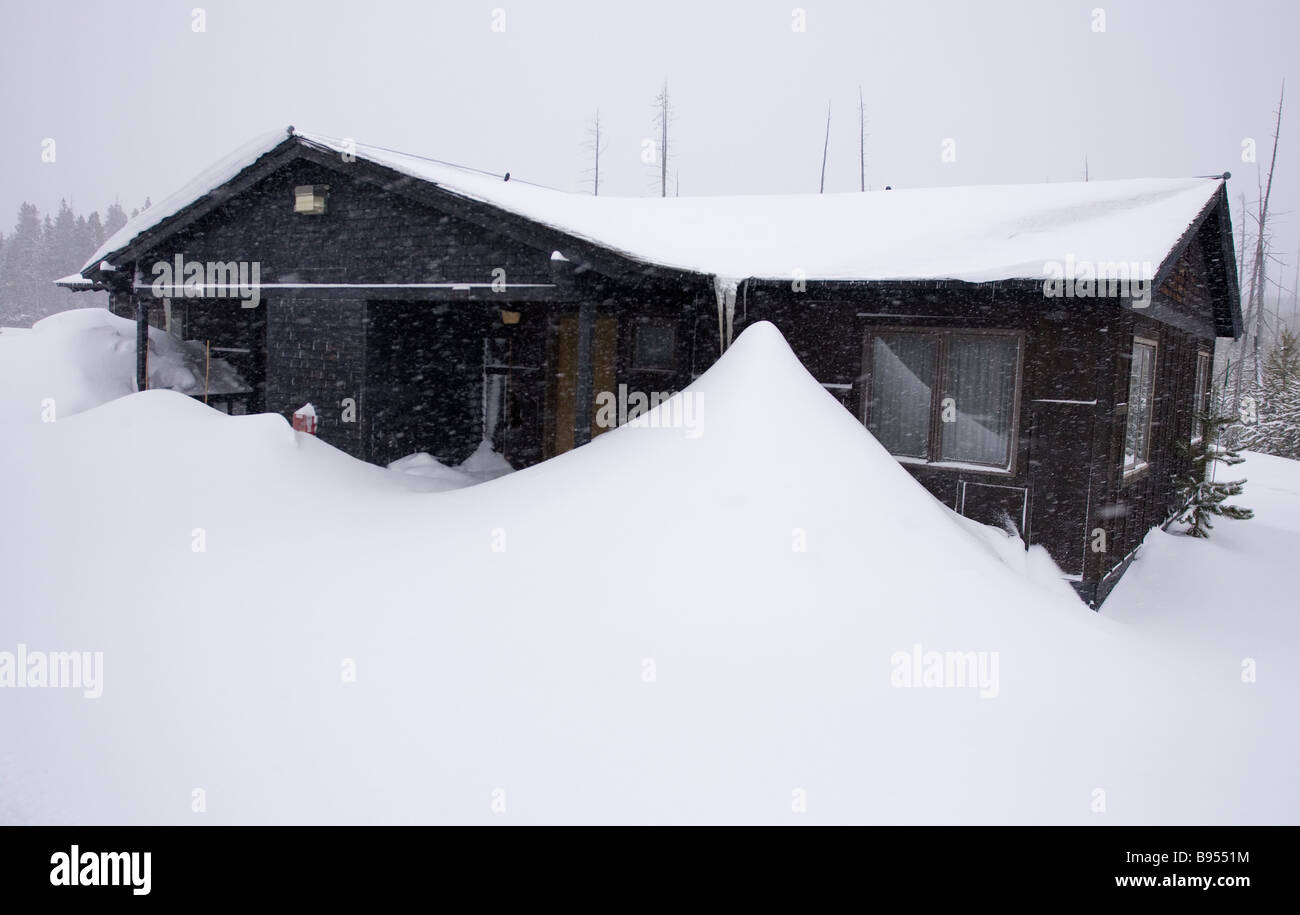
column 981, row 380
column 902, row 373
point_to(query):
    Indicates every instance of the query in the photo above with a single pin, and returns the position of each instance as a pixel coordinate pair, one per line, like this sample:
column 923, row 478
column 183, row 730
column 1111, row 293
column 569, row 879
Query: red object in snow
column 304, row 420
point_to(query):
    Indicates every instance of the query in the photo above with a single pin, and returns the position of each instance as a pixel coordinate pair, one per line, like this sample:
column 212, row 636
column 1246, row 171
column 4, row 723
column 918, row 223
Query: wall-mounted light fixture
column 509, row 317
column 309, row 199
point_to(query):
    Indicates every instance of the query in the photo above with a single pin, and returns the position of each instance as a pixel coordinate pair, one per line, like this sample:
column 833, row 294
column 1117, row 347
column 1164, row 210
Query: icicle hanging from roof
column 725, row 288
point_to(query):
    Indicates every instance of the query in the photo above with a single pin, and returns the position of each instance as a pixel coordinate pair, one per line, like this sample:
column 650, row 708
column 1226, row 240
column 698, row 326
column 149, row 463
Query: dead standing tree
column 825, row 148
column 663, row 117
column 862, row 142
column 1253, row 286
column 595, row 145
column 1259, row 268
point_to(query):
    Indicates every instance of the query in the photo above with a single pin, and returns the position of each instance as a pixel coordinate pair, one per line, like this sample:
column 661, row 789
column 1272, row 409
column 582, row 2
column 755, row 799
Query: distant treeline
column 40, row 250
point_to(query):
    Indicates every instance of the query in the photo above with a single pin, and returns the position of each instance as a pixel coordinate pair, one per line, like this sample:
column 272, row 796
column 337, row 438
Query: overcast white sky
column 138, row 102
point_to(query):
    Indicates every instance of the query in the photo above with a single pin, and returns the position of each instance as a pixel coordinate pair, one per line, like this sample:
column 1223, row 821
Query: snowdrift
column 82, row 358
column 730, row 625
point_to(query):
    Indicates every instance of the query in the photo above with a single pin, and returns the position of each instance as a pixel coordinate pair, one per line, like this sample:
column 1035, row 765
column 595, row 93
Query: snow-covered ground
column 708, row 625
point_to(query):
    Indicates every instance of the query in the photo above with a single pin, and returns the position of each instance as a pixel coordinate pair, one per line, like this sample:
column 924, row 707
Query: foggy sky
column 138, row 102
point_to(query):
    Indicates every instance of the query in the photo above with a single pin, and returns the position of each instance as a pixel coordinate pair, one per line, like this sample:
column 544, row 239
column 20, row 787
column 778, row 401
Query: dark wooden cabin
column 419, row 312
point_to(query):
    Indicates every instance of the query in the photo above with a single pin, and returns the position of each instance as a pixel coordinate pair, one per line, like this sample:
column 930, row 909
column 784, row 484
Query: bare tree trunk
column 1254, row 280
column 862, row 143
column 595, row 144
column 1257, row 280
column 1241, row 251
column 826, row 148
column 1295, row 295
column 665, row 111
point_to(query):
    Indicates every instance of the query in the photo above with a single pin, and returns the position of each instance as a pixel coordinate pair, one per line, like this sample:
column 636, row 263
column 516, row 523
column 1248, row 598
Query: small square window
column 655, row 346
column 309, row 199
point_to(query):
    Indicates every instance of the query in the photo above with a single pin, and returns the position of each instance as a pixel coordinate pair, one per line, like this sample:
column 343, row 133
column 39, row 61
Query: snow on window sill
column 1135, row 470
column 952, row 465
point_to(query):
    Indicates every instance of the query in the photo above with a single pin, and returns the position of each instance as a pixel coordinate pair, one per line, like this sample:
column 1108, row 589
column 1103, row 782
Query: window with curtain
column 943, row 396
column 902, row 382
column 981, row 380
column 1141, row 403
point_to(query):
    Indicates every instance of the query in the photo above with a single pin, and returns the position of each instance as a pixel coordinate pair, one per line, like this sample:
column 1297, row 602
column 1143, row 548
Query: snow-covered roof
column 74, row 281
column 977, row 234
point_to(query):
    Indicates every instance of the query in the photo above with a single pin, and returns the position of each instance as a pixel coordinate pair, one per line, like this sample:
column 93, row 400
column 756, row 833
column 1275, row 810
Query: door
column 561, row 414
column 424, row 380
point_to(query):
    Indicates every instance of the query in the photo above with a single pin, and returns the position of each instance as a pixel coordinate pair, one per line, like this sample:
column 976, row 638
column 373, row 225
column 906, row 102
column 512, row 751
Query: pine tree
column 65, row 247
column 1201, row 496
column 81, row 250
column 21, row 263
column 114, row 219
column 47, row 268
column 94, row 232
column 1275, row 428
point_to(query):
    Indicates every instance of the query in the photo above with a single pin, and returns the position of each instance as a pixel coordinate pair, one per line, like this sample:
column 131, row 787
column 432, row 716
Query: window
column 1141, row 400
column 655, row 346
column 943, row 396
column 1201, row 403
column 902, row 379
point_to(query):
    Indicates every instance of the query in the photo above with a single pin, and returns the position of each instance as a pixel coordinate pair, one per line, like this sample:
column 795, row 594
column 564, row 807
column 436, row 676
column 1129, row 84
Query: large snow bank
column 82, row 358
column 666, row 625
column 977, row 234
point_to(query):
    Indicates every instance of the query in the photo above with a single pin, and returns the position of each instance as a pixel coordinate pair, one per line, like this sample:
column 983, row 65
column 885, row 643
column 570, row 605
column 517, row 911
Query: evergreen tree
column 114, row 219
column 84, row 245
column 47, row 268
column 1275, row 427
column 65, row 253
column 66, row 246
column 1201, row 496
column 21, row 262
column 94, row 233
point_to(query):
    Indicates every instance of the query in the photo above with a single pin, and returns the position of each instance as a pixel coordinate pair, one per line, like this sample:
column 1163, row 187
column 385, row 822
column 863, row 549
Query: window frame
column 934, row 445
column 1138, row 469
column 1201, row 391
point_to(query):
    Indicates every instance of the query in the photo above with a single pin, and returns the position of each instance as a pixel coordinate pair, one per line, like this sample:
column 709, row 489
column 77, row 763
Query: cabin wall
column 316, row 355
column 1063, row 452
column 315, row 346
column 827, row 327
column 1135, row 504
